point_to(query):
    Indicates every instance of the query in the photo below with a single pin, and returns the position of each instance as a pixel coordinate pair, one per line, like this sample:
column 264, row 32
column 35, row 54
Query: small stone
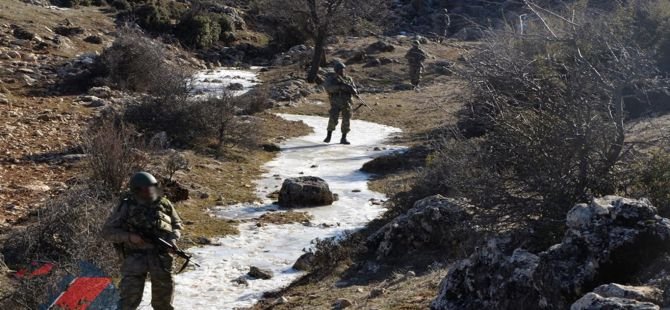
column 241, row 281
column 260, row 273
column 93, row 39
column 342, row 303
column 281, row 300
column 377, row 292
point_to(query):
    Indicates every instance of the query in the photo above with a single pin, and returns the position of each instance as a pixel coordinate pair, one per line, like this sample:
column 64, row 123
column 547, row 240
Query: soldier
column 446, row 24
column 341, row 89
column 416, row 56
column 144, row 213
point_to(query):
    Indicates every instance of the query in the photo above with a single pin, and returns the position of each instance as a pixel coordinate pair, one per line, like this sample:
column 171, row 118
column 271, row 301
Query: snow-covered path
column 276, row 247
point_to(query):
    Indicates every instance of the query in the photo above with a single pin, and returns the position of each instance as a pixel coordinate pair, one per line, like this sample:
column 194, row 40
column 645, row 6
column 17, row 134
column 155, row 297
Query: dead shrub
column 549, row 108
column 67, row 233
column 216, row 122
column 137, row 63
column 175, row 162
column 113, row 153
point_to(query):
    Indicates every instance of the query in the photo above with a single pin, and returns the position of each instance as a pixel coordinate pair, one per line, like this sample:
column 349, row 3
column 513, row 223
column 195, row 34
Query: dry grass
column 283, row 218
column 400, row 292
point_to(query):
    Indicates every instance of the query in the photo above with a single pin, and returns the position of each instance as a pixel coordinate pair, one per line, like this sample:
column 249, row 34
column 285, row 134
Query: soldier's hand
column 136, row 239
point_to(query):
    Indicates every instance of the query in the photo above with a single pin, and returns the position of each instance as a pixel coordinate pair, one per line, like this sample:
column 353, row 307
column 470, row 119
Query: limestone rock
column 305, row 192
column 433, row 222
column 593, row 301
column 305, row 262
column 612, row 238
column 639, row 293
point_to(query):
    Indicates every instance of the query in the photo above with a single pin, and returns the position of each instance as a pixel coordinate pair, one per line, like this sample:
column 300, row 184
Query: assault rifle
column 362, row 104
column 171, row 248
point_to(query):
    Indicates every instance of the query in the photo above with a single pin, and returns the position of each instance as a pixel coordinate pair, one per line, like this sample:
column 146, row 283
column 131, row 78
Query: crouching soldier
column 141, row 216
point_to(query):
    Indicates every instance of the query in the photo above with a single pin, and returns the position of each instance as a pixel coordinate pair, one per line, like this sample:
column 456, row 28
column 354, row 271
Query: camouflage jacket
column 416, row 55
column 340, row 87
column 160, row 218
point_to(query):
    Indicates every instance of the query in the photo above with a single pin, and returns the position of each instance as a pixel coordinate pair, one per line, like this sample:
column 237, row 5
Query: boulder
column 612, row 239
column 260, row 273
column 68, row 31
column 101, row 92
column 639, row 293
column 432, row 223
column 593, row 301
column 290, row 90
column 380, row 46
column 235, row 86
column 305, row 262
column 306, row 191
column 22, row 34
column 93, row 39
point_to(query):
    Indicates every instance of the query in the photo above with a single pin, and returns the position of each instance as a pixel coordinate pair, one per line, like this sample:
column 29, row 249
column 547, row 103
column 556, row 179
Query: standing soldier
column 446, row 24
column 144, row 213
column 416, row 56
column 341, row 89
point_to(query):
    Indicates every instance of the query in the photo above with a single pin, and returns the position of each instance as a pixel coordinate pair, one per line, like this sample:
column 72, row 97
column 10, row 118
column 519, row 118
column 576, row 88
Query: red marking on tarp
column 44, row 270
column 81, row 293
column 41, row 270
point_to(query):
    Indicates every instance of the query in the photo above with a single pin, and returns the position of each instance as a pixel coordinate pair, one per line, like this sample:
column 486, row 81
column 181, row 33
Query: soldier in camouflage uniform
column 341, row 89
column 416, row 56
column 141, row 213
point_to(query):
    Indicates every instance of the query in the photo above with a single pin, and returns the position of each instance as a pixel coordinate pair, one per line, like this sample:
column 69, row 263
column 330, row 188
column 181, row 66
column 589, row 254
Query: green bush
column 153, row 17
column 199, row 30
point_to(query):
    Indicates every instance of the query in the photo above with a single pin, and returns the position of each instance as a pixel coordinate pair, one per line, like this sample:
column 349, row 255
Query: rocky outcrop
column 290, row 90
column 593, row 301
column 305, row 192
column 297, row 54
column 609, row 240
column 433, row 223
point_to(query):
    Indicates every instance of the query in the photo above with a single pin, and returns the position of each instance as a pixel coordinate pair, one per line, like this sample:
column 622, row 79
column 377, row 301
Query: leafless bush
column 67, row 233
column 113, row 151
column 175, row 162
column 549, row 108
column 137, row 63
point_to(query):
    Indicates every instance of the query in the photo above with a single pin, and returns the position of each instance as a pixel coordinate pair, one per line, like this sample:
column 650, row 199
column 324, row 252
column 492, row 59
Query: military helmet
column 142, row 179
column 338, row 65
column 416, row 43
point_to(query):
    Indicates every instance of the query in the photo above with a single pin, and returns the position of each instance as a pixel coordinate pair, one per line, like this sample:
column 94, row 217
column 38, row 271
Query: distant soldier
column 139, row 215
column 341, row 89
column 415, row 57
column 446, row 23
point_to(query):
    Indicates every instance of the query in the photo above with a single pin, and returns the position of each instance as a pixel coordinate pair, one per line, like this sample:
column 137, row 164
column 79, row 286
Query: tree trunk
column 317, row 58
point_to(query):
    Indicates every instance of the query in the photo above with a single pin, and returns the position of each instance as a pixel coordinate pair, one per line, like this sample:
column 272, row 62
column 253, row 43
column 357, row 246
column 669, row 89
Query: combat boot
column 344, row 139
column 328, row 136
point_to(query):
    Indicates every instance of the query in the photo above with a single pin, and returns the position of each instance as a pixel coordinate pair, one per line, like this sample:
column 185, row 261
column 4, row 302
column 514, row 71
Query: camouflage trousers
column 134, row 272
column 415, row 73
column 338, row 107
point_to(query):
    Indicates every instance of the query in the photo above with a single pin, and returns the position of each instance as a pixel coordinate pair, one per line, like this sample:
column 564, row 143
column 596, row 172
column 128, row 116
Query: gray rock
column 305, row 192
column 639, row 293
column 260, row 273
column 380, row 46
column 305, row 262
column 593, row 301
column 433, row 222
column 611, row 238
column 235, row 86
column 342, row 303
column 100, row 92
